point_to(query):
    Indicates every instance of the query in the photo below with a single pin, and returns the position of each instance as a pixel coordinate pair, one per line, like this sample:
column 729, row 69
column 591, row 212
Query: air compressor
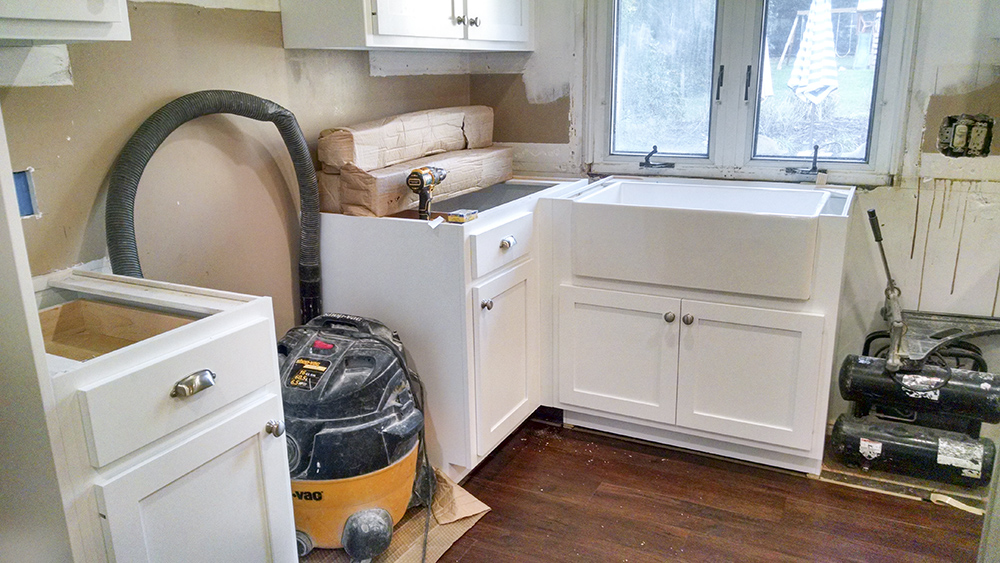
column 354, row 420
column 917, row 410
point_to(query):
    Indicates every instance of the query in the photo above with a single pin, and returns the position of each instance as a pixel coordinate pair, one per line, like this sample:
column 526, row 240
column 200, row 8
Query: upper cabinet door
column 424, row 18
column 499, row 20
column 65, row 10
column 61, row 21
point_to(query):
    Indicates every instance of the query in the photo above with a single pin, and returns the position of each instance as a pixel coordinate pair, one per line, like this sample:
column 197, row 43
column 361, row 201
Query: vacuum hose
column 124, row 182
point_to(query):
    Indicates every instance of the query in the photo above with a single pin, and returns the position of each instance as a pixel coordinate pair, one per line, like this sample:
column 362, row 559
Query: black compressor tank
column 959, row 392
column 928, row 453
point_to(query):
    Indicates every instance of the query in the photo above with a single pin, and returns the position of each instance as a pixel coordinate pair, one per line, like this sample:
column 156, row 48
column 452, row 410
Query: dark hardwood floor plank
column 559, row 494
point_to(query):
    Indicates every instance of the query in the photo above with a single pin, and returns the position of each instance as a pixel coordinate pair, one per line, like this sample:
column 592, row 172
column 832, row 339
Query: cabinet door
column 618, row 352
column 499, row 20
column 425, row 18
column 505, row 325
column 63, row 10
column 221, row 495
column 750, row 373
column 64, row 20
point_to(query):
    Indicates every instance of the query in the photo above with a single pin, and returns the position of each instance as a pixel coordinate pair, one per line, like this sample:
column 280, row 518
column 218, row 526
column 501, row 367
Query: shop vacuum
column 353, row 414
column 353, row 410
column 919, row 400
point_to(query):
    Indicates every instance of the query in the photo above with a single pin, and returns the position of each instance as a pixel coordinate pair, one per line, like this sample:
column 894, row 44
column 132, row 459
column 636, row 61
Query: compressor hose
column 124, row 181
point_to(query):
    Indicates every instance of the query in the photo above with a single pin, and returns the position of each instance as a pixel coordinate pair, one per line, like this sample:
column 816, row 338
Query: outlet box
column 966, row 135
column 24, row 186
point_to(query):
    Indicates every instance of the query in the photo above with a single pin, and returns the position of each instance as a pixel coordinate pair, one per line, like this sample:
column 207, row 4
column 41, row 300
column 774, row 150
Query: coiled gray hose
column 124, row 182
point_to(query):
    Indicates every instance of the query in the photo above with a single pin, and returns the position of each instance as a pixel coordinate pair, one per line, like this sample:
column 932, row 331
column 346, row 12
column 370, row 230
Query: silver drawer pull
column 194, row 383
column 507, row 242
column 487, row 304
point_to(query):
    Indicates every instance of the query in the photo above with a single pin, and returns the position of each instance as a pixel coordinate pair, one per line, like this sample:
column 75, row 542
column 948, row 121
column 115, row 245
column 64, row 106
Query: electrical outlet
column 966, row 135
column 977, row 138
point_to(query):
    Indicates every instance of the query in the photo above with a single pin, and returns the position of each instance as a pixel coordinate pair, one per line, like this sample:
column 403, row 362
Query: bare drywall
column 985, row 100
column 217, row 203
column 517, row 120
column 539, row 98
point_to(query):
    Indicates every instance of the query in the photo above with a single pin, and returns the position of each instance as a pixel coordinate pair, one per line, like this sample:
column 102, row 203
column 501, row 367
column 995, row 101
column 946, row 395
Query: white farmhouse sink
column 738, row 237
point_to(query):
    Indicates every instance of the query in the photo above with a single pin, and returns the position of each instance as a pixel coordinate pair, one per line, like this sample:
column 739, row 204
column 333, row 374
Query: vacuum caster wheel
column 303, row 542
column 367, row 533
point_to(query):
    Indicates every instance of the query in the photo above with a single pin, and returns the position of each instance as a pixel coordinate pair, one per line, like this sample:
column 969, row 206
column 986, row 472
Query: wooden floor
column 559, row 494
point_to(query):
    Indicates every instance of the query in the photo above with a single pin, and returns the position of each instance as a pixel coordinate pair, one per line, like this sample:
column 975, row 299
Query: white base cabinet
column 465, row 301
column 151, row 473
column 103, row 461
column 744, row 375
column 736, row 371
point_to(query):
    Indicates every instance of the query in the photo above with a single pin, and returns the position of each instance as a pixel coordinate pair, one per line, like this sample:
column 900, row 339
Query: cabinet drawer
column 135, row 408
column 501, row 245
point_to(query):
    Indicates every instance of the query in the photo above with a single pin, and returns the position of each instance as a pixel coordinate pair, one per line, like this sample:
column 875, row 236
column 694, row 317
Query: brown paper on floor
column 455, row 512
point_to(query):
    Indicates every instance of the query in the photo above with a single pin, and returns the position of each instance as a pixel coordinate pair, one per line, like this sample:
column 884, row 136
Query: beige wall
column 217, row 203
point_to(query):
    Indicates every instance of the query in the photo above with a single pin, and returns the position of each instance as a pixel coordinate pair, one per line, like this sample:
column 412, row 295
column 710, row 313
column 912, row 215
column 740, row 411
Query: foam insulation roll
column 392, row 140
column 384, row 192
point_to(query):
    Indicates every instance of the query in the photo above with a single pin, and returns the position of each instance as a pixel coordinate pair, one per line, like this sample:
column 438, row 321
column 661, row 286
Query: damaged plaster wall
column 941, row 217
column 538, row 98
column 217, row 205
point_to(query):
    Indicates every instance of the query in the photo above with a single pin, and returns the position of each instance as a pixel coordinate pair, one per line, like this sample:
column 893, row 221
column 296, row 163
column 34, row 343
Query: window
column 749, row 89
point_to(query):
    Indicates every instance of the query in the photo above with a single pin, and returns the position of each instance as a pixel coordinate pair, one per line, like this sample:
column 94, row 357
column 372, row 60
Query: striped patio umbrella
column 814, row 75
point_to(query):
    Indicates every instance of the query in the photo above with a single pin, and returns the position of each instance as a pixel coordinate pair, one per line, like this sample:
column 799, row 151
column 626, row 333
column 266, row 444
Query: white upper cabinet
column 25, row 22
column 493, row 20
column 455, row 25
column 406, row 18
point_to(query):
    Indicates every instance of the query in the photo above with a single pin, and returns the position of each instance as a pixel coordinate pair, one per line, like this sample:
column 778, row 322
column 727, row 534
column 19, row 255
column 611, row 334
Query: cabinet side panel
column 32, row 521
column 411, row 278
column 324, row 24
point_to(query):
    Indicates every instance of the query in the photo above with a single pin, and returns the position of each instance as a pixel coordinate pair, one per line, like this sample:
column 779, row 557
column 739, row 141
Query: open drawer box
column 167, row 407
column 130, row 346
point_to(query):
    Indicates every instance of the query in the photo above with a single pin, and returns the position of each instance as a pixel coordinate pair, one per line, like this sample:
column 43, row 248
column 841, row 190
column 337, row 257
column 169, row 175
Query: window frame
column 739, row 29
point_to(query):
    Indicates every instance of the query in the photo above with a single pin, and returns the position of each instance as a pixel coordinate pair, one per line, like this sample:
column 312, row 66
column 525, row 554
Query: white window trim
column 731, row 160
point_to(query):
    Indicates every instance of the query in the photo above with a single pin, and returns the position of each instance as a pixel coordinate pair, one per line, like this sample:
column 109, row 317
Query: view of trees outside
column 790, row 124
column 664, row 74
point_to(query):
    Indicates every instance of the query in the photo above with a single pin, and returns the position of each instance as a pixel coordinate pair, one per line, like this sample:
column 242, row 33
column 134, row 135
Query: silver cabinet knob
column 460, row 20
column 474, row 22
column 687, row 319
column 194, row 383
column 669, row 317
column 275, row 427
column 487, row 304
column 507, row 242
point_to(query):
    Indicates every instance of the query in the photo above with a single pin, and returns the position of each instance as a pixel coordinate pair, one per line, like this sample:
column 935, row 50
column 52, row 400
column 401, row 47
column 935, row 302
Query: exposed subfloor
column 562, row 494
